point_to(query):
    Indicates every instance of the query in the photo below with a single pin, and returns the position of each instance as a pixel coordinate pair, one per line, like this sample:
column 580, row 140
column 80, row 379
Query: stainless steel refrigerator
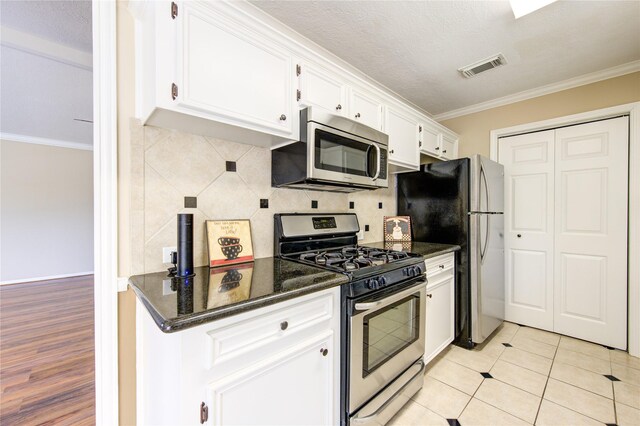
column 461, row 202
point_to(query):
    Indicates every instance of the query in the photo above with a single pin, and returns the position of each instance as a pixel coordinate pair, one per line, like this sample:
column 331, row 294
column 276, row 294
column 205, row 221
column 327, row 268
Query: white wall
column 46, row 211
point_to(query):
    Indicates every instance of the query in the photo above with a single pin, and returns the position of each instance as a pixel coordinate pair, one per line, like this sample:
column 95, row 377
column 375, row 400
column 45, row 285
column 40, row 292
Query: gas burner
column 321, row 258
column 352, row 258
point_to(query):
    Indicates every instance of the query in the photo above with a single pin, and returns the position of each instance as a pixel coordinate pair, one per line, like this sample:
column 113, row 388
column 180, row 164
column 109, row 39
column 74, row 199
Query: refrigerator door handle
column 483, row 179
column 483, row 251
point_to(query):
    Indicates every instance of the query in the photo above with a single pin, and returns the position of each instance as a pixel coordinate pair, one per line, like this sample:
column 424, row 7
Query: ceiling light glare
column 524, row 7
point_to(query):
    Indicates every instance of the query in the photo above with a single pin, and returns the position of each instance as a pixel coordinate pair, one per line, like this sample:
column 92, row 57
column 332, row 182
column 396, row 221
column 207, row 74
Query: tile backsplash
column 167, row 166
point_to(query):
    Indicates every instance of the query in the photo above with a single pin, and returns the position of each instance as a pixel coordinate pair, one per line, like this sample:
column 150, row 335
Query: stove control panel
column 376, row 283
column 412, row 271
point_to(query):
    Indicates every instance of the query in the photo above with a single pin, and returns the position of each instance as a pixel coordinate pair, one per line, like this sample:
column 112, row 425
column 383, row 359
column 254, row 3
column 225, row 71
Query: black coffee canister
column 185, row 245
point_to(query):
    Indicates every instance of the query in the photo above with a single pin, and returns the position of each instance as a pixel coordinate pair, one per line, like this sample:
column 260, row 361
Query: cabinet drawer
column 260, row 336
column 440, row 267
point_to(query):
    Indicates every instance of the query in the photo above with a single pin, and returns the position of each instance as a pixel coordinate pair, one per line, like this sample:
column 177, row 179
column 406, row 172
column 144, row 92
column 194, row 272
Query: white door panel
column 529, row 182
column 591, row 231
column 566, row 195
column 529, row 203
column 583, row 292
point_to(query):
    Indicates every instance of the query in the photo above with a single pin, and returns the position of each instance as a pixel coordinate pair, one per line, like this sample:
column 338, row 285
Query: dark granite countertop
column 425, row 249
column 222, row 292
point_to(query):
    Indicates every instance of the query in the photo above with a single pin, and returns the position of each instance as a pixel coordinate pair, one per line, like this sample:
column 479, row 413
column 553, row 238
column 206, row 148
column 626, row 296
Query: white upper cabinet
column 449, row 146
column 365, row 108
column 320, row 88
column 201, row 70
column 228, row 70
column 403, row 130
column 437, row 141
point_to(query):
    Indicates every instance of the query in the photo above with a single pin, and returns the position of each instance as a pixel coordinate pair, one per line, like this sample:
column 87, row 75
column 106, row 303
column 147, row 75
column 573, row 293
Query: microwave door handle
column 378, row 154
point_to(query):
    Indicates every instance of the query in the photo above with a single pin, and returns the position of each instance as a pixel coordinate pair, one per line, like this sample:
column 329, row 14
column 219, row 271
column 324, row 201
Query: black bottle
column 185, row 245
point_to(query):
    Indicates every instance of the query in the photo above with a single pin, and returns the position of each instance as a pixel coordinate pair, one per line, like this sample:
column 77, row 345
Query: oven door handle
column 366, row 306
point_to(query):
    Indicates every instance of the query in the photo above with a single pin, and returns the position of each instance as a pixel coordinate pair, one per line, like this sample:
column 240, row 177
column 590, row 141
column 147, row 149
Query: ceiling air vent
column 483, row 65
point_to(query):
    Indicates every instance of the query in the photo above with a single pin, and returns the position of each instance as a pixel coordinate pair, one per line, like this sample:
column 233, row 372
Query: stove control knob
column 382, row 281
column 373, row 284
column 411, row 272
column 417, row 270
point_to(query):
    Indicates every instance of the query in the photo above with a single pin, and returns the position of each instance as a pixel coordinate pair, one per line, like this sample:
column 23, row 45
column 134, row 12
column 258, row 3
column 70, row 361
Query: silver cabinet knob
column 429, row 295
column 437, row 148
column 358, row 115
column 519, row 235
column 444, row 151
column 339, row 107
column 284, row 325
column 391, row 152
column 283, row 117
column 324, row 352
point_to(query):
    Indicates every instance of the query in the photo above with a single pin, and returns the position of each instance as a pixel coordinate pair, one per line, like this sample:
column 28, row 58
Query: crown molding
column 44, row 48
column 543, row 90
column 12, row 137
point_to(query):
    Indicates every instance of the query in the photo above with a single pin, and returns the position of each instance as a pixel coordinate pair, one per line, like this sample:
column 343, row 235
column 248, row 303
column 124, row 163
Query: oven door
column 387, row 336
column 337, row 156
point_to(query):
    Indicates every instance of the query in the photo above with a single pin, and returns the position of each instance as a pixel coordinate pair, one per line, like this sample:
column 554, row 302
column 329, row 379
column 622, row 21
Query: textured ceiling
column 64, row 22
column 416, row 47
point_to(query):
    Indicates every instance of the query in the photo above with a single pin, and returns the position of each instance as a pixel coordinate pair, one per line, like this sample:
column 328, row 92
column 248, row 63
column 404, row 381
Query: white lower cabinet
column 290, row 388
column 440, row 305
column 277, row 365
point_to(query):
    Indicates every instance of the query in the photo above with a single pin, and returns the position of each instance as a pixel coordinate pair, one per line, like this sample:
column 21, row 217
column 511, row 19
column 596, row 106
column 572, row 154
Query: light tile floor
column 523, row 375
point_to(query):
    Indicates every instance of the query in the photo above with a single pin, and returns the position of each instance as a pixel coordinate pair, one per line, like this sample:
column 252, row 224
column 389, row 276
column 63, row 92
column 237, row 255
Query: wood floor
column 47, row 353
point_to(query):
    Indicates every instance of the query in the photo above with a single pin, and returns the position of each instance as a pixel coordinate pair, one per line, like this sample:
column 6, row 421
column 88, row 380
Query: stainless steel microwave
column 334, row 154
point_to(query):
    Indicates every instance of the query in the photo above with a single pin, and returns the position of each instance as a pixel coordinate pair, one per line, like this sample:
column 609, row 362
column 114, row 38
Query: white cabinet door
column 229, row 72
column 435, row 142
column 528, row 208
column 591, row 231
column 403, row 132
column 430, row 140
column 365, row 109
column 448, row 147
column 440, row 317
column 292, row 388
column 321, row 88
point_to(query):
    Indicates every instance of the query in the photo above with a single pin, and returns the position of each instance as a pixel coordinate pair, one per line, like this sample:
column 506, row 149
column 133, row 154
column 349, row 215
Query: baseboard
column 50, row 277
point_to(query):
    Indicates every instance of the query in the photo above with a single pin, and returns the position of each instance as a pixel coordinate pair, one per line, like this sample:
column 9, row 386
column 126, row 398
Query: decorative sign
column 229, row 242
column 397, row 228
column 229, row 285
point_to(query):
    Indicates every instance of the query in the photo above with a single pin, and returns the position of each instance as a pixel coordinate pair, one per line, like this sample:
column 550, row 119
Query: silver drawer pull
column 441, row 266
column 429, row 295
column 284, row 325
column 324, row 352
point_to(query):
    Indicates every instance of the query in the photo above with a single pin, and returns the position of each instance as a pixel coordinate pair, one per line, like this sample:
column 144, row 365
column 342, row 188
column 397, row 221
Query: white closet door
column 529, row 180
column 591, row 231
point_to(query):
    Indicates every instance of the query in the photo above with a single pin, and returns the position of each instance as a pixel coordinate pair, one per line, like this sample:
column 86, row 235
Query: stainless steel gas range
column 383, row 319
